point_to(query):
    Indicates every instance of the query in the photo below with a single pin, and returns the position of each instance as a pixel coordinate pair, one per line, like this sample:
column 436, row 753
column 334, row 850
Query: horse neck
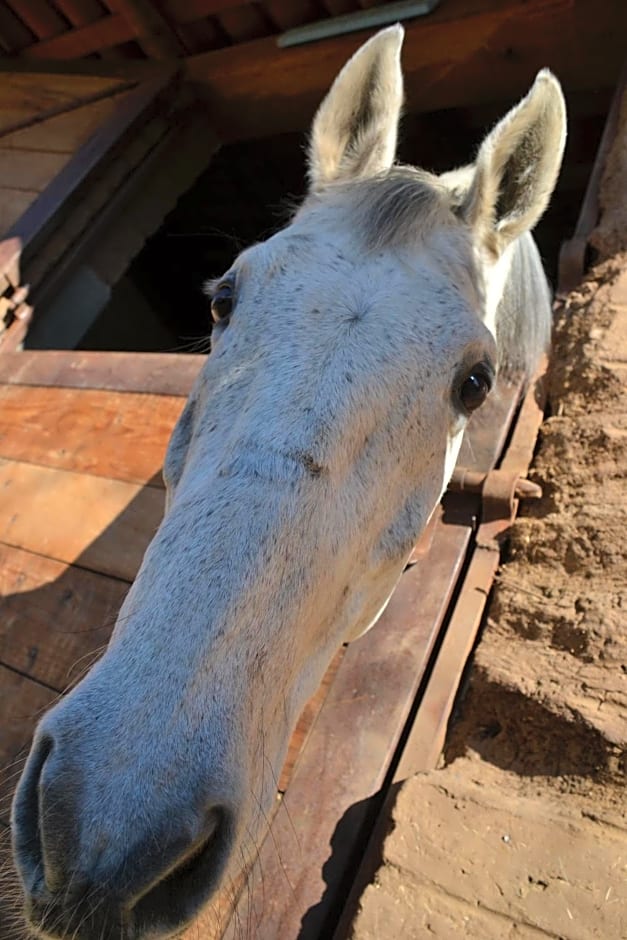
column 524, row 314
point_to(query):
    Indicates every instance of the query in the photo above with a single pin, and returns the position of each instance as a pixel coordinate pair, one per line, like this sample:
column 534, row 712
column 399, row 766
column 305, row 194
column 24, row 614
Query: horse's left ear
column 517, row 166
column 354, row 132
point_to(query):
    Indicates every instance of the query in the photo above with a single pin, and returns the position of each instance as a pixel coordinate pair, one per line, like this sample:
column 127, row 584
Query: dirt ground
column 522, row 832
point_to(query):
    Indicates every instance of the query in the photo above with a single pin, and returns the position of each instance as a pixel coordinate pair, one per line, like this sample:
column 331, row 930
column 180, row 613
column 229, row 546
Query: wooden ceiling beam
column 80, row 12
column 152, row 31
column 84, row 40
column 42, row 20
column 465, row 53
column 119, row 27
column 189, row 11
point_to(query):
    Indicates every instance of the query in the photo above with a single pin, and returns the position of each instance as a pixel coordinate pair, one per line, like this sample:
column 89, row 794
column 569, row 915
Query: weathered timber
column 153, row 373
column 28, row 98
column 152, row 31
column 80, row 12
column 131, row 106
column 318, row 830
column 100, row 524
column 13, row 34
column 450, row 59
column 85, row 40
column 51, row 261
column 54, row 618
column 192, row 10
column 41, row 18
column 13, row 204
column 108, row 434
column 22, row 169
column 64, row 132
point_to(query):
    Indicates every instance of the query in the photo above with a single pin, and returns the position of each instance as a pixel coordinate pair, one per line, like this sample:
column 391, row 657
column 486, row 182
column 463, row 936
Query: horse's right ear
column 354, row 132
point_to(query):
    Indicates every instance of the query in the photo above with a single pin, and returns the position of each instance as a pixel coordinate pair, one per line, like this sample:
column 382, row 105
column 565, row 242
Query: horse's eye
column 222, row 302
column 475, row 388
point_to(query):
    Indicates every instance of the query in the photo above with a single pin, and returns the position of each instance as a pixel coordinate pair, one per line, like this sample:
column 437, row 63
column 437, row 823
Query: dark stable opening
column 247, row 192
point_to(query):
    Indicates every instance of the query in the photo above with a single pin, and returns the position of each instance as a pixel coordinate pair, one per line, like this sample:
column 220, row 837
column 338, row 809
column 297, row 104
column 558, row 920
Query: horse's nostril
column 76, row 885
column 26, row 816
column 184, row 888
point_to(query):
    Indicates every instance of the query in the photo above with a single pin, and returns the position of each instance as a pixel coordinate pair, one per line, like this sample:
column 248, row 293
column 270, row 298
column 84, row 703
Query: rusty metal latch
column 500, row 490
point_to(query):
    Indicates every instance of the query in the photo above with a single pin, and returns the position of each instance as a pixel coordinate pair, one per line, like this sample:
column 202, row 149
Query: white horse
column 348, row 353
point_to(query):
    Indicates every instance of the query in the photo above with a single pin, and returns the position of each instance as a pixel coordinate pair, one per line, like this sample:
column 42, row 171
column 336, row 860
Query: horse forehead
column 325, row 264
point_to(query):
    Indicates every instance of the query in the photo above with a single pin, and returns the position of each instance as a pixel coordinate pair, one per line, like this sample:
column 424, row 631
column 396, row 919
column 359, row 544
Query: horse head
column 348, row 352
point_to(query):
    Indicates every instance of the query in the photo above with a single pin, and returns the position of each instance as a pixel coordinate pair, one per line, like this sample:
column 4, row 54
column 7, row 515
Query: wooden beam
column 192, row 10
column 84, row 160
column 53, row 616
column 40, row 17
column 80, row 12
column 77, row 518
column 128, row 70
column 466, row 52
column 28, row 98
column 85, row 40
column 118, row 435
column 118, row 28
column 13, row 33
column 151, row 373
column 152, row 31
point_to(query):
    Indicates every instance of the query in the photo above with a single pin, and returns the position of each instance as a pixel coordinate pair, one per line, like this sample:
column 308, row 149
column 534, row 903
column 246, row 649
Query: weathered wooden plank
column 39, row 92
column 13, row 204
column 22, row 702
column 80, row 12
column 28, row 170
column 338, row 7
column 39, row 16
column 128, row 70
column 154, row 373
column 123, row 110
column 108, row 434
column 63, row 133
column 245, row 23
column 330, row 796
column 47, row 267
column 14, row 36
column 151, row 28
column 26, row 97
column 450, row 59
column 85, row 40
column 305, row 723
column 192, row 10
column 290, row 13
column 53, row 617
column 104, row 525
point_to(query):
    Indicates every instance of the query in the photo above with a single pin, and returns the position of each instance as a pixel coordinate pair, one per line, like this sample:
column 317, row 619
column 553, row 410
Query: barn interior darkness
column 246, row 193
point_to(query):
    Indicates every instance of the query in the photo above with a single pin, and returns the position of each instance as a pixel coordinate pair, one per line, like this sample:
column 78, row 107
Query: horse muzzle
column 86, row 882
